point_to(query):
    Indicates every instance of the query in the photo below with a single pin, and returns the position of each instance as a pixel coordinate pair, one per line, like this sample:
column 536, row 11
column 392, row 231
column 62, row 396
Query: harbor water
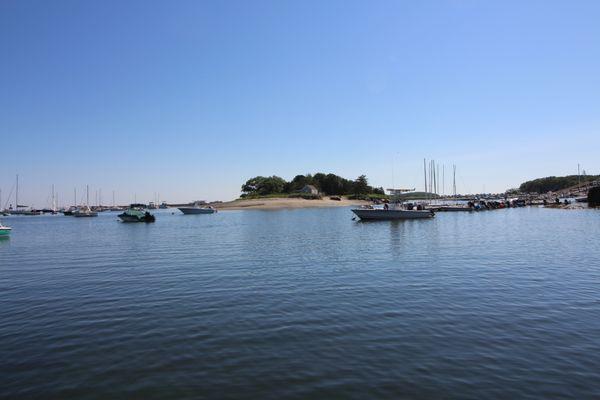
column 302, row 304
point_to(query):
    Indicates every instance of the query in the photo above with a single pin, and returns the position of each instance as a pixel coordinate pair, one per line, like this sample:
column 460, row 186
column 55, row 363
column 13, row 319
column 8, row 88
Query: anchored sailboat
column 85, row 211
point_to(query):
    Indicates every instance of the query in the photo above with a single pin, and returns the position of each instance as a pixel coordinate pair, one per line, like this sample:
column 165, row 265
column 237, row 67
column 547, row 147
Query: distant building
column 309, row 189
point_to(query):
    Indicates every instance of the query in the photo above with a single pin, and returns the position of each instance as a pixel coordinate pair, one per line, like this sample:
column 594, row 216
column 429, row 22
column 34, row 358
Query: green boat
column 4, row 230
column 137, row 213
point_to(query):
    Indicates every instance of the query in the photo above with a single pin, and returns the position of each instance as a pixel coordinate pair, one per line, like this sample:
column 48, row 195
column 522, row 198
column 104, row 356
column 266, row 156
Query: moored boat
column 84, row 212
column 69, row 211
column 137, row 213
column 29, row 211
column 394, row 209
column 197, row 208
column 391, row 213
column 4, row 230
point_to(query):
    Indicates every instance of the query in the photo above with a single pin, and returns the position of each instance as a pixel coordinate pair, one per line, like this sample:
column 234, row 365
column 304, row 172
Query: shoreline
column 285, row 203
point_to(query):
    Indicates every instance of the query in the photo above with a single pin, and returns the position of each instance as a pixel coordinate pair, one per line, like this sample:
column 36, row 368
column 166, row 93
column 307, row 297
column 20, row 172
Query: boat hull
column 85, row 215
column 455, row 209
column 25, row 212
column 196, row 210
column 379, row 214
column 5, row 231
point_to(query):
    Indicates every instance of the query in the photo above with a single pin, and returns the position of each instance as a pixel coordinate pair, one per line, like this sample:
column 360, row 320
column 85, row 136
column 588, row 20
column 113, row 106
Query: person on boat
column 385, row 206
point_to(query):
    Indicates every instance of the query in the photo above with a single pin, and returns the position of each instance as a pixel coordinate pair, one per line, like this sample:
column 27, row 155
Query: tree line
column 555, row 183
column 329, row 184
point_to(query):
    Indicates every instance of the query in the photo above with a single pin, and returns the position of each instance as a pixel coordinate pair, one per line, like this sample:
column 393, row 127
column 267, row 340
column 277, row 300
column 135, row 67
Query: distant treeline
column 329, row 184
column 555, row 183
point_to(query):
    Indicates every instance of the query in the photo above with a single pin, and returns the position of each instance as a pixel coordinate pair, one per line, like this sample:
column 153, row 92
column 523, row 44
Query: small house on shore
column 309, row 189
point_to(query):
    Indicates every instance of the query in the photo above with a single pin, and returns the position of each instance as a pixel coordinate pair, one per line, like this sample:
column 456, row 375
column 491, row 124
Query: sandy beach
column 281, row 203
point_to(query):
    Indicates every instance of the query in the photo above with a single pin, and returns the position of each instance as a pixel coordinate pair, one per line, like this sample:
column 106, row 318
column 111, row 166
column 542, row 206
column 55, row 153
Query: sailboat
column 85, row 211
column 3, row 212
column 21, row 209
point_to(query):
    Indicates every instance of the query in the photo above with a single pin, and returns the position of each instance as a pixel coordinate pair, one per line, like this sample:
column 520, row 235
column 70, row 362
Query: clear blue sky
column 191, row 98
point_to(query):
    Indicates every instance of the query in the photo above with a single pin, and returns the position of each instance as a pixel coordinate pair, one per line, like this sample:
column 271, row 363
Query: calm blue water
column 302, row 304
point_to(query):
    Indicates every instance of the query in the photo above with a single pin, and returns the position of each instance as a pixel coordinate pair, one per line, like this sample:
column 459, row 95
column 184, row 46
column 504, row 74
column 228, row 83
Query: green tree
column 299, row 182
column 378, row 190
column 555, row 183
column 361, row 185
column 264, row 185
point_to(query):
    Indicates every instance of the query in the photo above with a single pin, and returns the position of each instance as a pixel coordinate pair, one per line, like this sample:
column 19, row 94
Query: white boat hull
column 196, row 210
column 380, row 214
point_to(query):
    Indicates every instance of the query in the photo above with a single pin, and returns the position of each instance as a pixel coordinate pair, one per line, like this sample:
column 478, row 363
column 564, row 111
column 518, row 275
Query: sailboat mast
column 75, row 196
column 17, row 194
column 454, row 180
column 438, row 179
column 443, row 179
column 431, row 176
column 425, row 173
column 87, row 195
column 434, row 180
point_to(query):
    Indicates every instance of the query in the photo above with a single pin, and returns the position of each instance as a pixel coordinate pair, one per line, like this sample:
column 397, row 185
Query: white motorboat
column 198, row 208
column 396, row 209
column 4, row 230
